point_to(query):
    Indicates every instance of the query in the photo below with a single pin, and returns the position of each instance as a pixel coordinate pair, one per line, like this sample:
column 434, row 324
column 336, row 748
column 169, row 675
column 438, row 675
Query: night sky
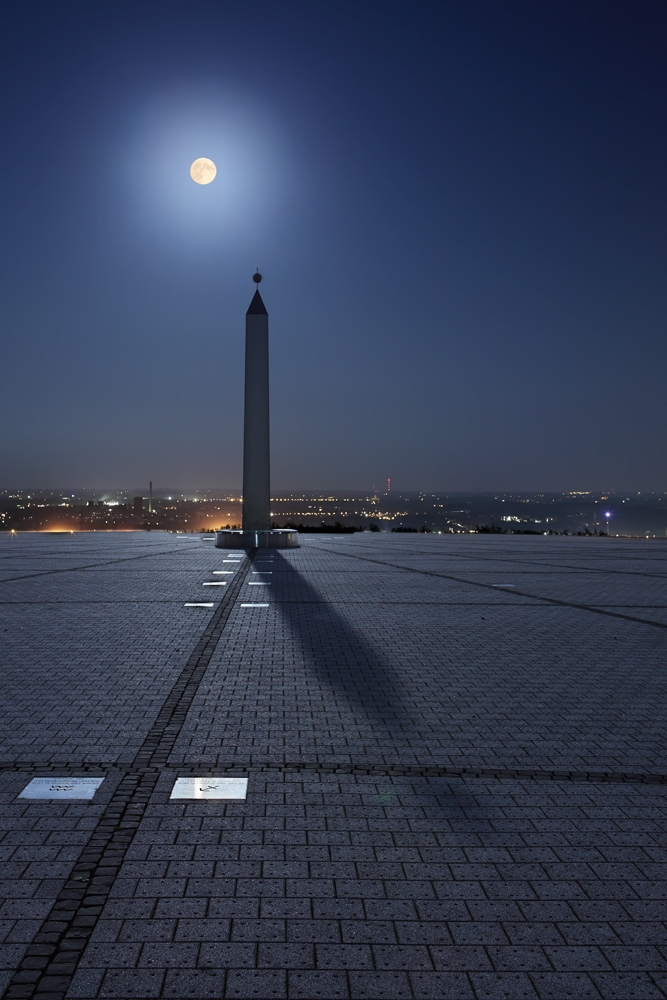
column 459, row 209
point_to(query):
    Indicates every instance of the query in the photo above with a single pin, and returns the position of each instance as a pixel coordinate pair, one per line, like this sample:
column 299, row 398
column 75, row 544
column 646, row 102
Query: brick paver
column 456, row 756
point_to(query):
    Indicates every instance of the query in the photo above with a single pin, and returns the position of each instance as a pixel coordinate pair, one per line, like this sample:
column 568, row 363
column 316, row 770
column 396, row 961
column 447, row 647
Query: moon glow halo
column 203, row 170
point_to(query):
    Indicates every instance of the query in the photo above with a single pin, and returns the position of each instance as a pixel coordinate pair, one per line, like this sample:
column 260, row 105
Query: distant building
column 139, row 505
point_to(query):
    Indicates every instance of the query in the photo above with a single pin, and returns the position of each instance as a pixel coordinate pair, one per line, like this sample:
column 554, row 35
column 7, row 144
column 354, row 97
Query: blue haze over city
column 458, row 210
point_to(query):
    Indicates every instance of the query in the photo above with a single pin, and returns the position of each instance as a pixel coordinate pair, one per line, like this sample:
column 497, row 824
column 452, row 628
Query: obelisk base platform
column 278, row 538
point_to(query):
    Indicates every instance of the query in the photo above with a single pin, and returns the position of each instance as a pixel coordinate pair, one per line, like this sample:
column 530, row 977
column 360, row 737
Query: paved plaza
column 455, row 752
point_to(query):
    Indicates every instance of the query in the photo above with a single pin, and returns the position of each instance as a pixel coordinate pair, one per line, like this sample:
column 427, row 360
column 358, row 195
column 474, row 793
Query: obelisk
column 256, row 457
column 257, row 532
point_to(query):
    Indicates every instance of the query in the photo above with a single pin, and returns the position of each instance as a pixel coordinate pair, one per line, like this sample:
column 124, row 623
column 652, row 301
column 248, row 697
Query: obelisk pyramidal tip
column 256, row 458
column 257, row 307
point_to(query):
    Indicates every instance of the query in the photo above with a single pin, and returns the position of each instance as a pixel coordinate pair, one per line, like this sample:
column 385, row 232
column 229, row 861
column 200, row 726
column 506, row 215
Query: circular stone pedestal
column 279, row 538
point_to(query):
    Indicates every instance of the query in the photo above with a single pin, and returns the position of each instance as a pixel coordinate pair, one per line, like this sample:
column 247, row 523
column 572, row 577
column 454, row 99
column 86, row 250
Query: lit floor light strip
column 254, row 605
column 259, row 583
column 197, row 604
column 262, row 572
column 215, row 583
column 223, row 572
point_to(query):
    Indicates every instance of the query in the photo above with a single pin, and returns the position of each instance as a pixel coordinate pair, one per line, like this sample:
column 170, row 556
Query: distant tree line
column 413, row 531
column 495, row 529
column 327, row 529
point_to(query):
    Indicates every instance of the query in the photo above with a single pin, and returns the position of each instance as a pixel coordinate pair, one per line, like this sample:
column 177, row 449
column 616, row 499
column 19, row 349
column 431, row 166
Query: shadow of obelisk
column 256, row 531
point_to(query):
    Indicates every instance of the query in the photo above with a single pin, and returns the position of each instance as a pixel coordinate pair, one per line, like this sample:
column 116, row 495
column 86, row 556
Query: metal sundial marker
column 209, row 788
column 61, row 788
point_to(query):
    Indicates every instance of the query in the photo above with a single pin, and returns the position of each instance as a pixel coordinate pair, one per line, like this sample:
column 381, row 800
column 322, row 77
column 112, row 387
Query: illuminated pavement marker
column 223, row 572
column 61, row 788
column 259, row 583
column 197, row 604
column 254, row 605
column 215, row 583
column 209, row 788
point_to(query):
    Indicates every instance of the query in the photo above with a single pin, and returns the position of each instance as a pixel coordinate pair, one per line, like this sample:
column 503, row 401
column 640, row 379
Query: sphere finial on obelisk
column 257, row 277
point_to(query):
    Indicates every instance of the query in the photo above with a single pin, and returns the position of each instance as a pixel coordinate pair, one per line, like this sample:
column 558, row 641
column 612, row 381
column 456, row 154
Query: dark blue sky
column 459, row 209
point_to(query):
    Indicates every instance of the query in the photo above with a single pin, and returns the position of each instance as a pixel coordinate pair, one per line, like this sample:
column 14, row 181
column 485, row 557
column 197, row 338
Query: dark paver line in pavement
column 290, row 600
column 50, row 962
column 497, row 558
column 387, row 770
column 75, row 569
column 515, row 592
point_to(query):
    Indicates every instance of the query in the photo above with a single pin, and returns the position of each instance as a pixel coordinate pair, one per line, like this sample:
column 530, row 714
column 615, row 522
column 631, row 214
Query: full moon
column 203, row 170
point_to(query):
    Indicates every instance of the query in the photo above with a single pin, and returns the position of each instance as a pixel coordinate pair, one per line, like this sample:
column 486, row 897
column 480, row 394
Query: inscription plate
column 209, row 788
column 61, row 788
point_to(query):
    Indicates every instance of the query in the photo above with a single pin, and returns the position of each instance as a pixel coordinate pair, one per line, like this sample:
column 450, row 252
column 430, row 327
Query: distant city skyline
column 458, row 209
column 575, row 513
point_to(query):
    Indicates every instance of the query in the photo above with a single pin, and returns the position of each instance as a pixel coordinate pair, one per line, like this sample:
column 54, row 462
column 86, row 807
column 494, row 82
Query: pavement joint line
column 555, row 601
column 473, row 557
column 384, row 770
column 76, row 569
column 51, row 960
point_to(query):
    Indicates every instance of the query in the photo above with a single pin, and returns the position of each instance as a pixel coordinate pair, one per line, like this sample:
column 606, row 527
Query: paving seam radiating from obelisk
column 77, row 569
column 515, row 593
column 50, row 961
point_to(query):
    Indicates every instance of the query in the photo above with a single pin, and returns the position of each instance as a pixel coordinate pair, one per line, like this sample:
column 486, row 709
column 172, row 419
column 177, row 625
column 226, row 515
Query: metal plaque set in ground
column 61, row 788
column 184, row 788
column 210, row 788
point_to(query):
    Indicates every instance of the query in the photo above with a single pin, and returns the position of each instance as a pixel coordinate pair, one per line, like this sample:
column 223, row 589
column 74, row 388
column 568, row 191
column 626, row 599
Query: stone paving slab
column 373, row 856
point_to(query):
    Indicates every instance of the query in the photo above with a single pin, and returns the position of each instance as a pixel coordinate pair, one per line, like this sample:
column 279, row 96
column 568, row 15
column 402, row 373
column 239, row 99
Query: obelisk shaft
column 256, row 457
